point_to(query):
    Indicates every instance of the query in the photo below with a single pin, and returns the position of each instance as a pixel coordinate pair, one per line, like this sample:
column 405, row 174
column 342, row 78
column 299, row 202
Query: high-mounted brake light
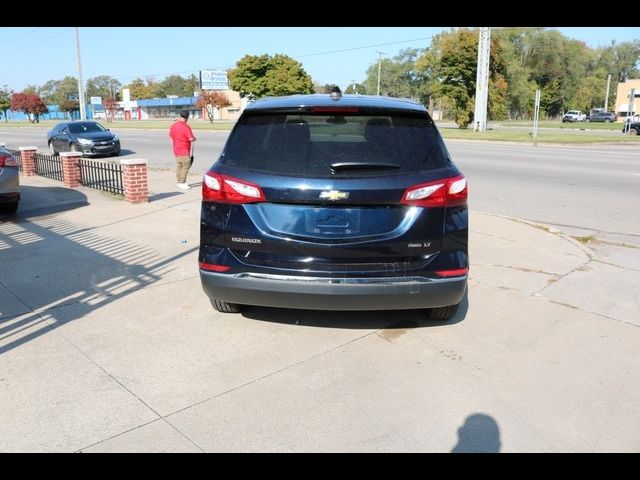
column 225, row 189
column 447, row 192
column 335, row 109
column 8, row 161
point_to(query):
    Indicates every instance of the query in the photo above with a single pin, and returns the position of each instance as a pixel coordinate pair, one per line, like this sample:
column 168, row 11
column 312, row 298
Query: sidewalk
column 107, row 343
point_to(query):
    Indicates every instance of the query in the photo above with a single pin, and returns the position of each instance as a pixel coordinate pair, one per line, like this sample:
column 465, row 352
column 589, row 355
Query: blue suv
column 335, row 202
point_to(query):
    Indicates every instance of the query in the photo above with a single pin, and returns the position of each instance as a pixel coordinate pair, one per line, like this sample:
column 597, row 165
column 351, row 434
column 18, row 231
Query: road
column 591, row 188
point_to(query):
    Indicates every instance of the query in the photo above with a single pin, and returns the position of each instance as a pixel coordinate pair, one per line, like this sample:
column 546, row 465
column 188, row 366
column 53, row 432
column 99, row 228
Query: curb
column 554, row 231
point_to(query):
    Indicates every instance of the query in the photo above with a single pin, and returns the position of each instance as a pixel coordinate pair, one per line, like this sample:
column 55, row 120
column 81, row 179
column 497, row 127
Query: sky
column 339, row 55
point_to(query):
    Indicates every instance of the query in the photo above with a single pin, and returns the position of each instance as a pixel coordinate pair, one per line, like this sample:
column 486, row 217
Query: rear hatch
column 329, row 191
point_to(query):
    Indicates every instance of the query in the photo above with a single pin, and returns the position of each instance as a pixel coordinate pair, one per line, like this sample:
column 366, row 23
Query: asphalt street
column 582, row 190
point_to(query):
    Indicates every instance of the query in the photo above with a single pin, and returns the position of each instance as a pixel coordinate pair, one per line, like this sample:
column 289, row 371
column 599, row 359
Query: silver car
column 9, row 182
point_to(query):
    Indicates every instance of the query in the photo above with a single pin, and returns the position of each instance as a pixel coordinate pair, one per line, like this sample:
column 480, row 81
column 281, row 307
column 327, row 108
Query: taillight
column 457, row 272
column 447, row 192
column 213, row 267
column 224, row 189
column 8, row 161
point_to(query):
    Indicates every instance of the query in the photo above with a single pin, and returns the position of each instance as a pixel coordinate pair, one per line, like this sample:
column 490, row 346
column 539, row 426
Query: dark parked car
column 634, row 128
column 9, row 182
column 607, row 117
column 89, row 137
column 335, row 203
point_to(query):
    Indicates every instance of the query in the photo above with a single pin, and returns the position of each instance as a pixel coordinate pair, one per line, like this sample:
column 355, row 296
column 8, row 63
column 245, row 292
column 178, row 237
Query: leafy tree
column 140, row 89
column 451, row 60
column 29, row 103
column 110, row 107
column 211, row 101
column 400, row 76
column 263, row 75
column 191, row 85
column 59, row 92
column 70, row 106
column 172, row 85
column 103, row 86
column 5, row 101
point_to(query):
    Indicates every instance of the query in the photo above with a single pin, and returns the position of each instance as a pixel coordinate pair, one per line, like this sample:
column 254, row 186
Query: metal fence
column 105, row 176
column 49, row 166
column 17, row 156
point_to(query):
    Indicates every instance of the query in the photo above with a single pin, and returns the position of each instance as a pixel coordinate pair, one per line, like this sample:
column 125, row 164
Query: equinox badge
column 334, row 195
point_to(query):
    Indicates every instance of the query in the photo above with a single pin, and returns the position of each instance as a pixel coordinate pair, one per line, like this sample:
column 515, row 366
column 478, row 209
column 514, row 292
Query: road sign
column 96, row 101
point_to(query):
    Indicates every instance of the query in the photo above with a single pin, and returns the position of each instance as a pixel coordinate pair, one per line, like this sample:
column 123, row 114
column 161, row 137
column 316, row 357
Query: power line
column 362, row 48
column 34, row 43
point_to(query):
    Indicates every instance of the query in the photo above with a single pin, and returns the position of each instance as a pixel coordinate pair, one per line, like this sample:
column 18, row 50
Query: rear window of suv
column 311, row 144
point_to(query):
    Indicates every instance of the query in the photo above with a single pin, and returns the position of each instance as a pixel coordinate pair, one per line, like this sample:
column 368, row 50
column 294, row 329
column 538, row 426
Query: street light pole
column 379, row 65
column 83, row 113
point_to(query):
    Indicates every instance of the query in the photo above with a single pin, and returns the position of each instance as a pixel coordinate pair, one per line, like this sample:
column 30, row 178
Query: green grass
column 507, row 135
column 557, row 124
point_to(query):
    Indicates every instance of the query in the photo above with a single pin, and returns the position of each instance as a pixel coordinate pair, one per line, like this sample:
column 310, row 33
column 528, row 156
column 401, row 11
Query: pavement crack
column 275, row 372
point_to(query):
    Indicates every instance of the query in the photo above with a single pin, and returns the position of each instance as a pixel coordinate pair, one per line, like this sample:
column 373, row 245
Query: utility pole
column 606, row 95
column 83, row 113
column 536, row 113
column 379, row 65
column 353, row 83
column 482, row 81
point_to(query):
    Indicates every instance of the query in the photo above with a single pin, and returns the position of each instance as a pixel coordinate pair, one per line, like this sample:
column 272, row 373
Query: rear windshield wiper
column 362, row 166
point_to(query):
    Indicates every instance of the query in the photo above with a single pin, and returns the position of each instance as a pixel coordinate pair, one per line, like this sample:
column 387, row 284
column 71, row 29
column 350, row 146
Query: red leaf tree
column 211, row 100
column 110, row 106
column 29, row 103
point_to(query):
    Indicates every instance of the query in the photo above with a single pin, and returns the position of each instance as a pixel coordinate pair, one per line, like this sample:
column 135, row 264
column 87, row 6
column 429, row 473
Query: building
column 162, row 108
column 622, row 98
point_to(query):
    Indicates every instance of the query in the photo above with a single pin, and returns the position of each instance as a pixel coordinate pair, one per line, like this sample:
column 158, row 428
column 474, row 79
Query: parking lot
column 107, row 343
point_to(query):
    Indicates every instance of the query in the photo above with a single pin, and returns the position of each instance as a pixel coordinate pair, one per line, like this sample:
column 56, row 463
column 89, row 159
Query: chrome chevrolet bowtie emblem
column 334, row 195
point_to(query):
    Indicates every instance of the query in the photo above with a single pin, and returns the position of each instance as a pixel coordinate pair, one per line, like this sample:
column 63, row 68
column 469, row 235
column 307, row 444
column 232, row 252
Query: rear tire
column 224, row 307
column 442, row 313
column 633, row 131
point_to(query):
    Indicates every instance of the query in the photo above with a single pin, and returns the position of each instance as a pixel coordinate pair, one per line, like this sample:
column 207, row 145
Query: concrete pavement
column 107, row 343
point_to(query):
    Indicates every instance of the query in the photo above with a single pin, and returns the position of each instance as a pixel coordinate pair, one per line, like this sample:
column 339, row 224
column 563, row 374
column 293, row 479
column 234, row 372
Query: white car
column 574, row 116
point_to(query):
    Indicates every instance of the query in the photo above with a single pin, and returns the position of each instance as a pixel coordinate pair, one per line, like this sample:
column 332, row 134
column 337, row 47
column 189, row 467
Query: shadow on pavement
column 479, row 434
column 48, row 262
column 376, row 319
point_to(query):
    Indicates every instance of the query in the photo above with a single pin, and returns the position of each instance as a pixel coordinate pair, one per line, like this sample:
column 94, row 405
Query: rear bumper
column 333, row 293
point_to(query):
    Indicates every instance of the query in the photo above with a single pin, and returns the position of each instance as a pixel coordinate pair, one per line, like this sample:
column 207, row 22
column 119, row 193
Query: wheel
column 117, row 152
column 606, row 120
column 9, row 207
column 52, row 149
column 74, row 148
column 225, row 307
column 588, row 120
column 442, row 313
column 633, row 131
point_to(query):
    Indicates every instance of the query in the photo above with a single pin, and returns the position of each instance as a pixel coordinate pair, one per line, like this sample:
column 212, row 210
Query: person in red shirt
column 182, row 137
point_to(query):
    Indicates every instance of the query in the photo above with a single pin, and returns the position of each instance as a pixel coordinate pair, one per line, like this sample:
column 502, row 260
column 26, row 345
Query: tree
column 59, row 91
column 191, row 85
column 211, row 101
column 29, row 103
column 451, row 65
column 262, row 75
column 399, row 76
column 172, row 85
column 110, row 107
column 140, row 89
column 103, row 86
column 70, row 106
column 5, row 101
